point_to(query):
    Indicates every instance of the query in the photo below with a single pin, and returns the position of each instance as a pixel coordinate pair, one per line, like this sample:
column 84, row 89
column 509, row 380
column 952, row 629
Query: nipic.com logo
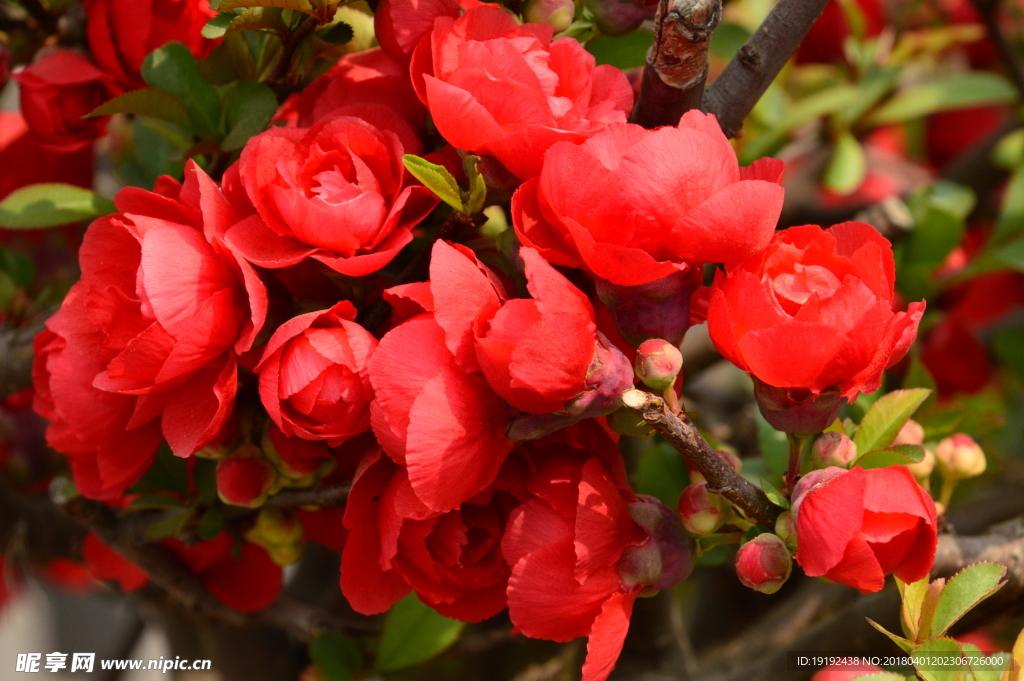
column 85, row 662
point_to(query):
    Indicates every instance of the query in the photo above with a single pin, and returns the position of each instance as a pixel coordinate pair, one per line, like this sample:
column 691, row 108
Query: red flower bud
column 796, row 410
column 959, row 457
column 658, row 363
column 659, row 309
column 833, row 449
column 667, row 558
column 764, row 563
column 244, row 479
column 701, row 511
column 618, row 17
column 557, row 13
column 912, row 433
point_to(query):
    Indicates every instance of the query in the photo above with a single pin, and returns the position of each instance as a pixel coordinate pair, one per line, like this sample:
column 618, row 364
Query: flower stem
column 796, row 449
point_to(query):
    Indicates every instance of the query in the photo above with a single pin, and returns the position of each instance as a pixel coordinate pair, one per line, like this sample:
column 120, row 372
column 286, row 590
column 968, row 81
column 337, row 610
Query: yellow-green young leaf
column 437, row 179
column 477, row 185
column 913, row 600
column 51, row 204
column 886, row 416
column 248, row 110
column 893, row 456
column 336, row 656
column 1011, row 214
column 250, row 19
column 963, row 591
column 414, row 633
column 957, row 91
column 903, row 643
column 149, row 102
column 846, row 170
column 933, row 657
column 173, row 69
column 300, row 5
column 978, row 662
column 217, row 27
column 774, row 495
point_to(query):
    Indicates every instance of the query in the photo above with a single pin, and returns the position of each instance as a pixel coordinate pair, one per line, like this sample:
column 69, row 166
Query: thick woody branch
column 677, row 63
column 735, row 92
column 683, row 435
column 323, row 497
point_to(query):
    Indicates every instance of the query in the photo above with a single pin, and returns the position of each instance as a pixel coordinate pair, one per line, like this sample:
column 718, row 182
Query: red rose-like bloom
column 579, row 554
column 854, row 527
column 496, row 87
column 105, row 563
column 57, row 91
column 122, row 32
column 633, row 205
column 814, row 311
column 314, row 381
column 452, row 560
column 336, row 192
column 36, row 161
column 152, row 329
column 247, row 583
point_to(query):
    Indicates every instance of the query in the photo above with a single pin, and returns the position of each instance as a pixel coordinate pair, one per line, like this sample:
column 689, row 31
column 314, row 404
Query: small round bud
column 764, row 563
column 279, row 533
column 912, row 433
column 626, row 422
column 959, row 457
column 922, row 470
column 557, row 13
column 785, row 528
column 833, row 449
column 701, row 511
column 658, row 363
column 666, row 558
column 245, row 478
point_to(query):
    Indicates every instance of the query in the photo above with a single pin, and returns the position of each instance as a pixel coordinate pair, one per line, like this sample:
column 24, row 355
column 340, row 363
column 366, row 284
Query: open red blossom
column 336, row 192
column 503, row 89
column 247, row 582
column 633, row 206
column 814, row 311
column 37, row 161
column 151, row 331
column 854, row 527
column 579, row 554
column 314, row 379
column 452, row 560
column 105, row 563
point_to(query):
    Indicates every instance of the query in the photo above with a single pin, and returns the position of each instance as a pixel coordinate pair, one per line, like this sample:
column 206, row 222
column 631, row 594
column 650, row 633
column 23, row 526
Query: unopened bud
column 558, row 13
column 666, row 558
column 764, row 563
column 701, row 511
column 626, row 422
column 796, row 410
column 245, row 478
column 659, row 309
column 618, row 17
column 658, row 363
column 279, row 533
column 959, row 457
column 785, row 528
column 912, row 433
column 833, row 449
column 922, row 470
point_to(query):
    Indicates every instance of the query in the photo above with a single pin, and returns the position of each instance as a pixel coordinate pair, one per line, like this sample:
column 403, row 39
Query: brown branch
column 683, row 435
column 323, row 497
column 735, row 92
column 677, row 63
column 989, row 11
column 35, row 528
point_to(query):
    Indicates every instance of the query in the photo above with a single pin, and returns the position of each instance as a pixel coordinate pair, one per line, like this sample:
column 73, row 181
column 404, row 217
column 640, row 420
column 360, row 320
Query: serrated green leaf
column 51, row 204
column 338, row 34
column 336, row 656
column 848, row 165
column 173, row 69
column 477, row 185
column 248, row 110
column 955, row 91
column 976, row 662
column 903, row 643
column 210, row 523
column 913, row 595
column 217, row 27
column 169, row 526
column 886, row 416
column 963, row 591
column 930, row 660
column 151, row 102
column 437, row 179
column 897, row 455
column 414, row 633
column 773, row 494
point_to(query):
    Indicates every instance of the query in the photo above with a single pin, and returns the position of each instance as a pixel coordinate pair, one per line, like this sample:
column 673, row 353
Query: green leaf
column 338, row 34
column 412, row 634
column 624, row 51
column 913, row 595
column 437, row 179
column 726, row 41
column 151, row 102
column 1011, row 213
column 930, row 660
column 8, row 291
column 167, row 473
column 899, row 455
column 1008, row 344
column 173, row 69
column 846, row 170
column 169, row 526
column 1009, row 152
column 773, row 494
column 884, row 419
column 955, row 91
column 217, row 27
column 980, row 670
column 773, row 444
column 205, row 476
column 300, row 5
column 51, row 204
column 903, row 643
column 248, row 110
column 210, row 523
column 965, row 590
column 19, row 266
column 336, row 656
column 477, row 185
column 661, row 473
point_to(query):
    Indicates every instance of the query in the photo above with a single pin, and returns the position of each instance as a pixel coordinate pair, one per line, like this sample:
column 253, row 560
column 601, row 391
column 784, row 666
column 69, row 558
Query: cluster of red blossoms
column 223, row 318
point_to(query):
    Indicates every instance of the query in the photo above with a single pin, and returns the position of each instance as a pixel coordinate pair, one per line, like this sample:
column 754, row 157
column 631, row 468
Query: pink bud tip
column 960, row 457
column 658, row 363
column 833, row 449
column 701, row 511
column 764, row 563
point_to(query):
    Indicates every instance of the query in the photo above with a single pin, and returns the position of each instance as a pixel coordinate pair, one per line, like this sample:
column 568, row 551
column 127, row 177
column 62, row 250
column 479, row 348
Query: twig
column 677, row 63
column 34, row 524
column 278, row 78
column 324, row 497
column 989, row 11
column 735, row 92
column 418, row 268
column 683, row 435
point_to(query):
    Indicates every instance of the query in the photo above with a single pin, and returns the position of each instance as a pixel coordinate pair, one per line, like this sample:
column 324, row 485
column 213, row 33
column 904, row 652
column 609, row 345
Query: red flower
column 633, row 205
column 824, row 42
column 452, row 560
column 104, row 563
column 122, row 32
column 496, row 87
column 313, row 376
column 152, row 329
column 399, row 25
column 36, row 161
column 247, row 583
column 814, row 311
column 955, row 358
column 336, row 192
column 57, row 91
column 584, row 547
column 854, row 527
column 368, row 77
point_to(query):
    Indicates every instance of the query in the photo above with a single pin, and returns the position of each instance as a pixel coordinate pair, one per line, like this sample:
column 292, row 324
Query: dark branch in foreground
column 735, row 92
column 683, row 435
column 323, row 497
column 677, row 63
